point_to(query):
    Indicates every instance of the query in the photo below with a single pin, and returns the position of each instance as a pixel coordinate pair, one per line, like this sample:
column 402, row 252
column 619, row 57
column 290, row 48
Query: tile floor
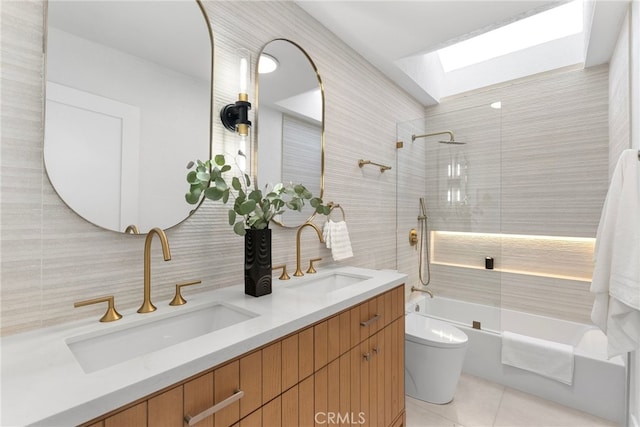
column 481, row 403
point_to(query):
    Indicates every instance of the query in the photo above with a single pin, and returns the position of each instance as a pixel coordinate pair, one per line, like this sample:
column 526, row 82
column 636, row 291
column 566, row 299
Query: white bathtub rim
column 590, row 344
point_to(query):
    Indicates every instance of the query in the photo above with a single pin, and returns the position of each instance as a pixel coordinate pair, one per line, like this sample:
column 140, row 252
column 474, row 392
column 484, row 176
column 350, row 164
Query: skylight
column 543, row 27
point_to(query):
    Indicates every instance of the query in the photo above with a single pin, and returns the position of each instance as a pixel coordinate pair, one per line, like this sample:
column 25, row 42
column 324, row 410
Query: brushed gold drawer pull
column 366, row 356
column 370, row 321
column 193, row 420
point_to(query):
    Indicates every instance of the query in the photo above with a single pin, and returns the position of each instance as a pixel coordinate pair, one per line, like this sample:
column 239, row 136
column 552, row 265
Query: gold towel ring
column 332, row 206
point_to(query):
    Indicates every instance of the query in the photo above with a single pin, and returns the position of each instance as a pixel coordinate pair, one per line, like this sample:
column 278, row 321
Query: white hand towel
column 547, row 358
column 326, row 233
column 338, row 240
column 616, row 274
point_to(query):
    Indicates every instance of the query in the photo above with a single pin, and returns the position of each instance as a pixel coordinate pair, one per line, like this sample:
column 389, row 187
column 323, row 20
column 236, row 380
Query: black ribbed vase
column 257, row 262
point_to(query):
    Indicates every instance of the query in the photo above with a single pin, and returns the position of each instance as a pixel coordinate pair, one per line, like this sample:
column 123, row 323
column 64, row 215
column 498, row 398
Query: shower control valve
column 413, row 237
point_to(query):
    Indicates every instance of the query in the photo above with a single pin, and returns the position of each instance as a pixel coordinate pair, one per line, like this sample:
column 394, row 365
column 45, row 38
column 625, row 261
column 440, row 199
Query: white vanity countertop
column 43, row 384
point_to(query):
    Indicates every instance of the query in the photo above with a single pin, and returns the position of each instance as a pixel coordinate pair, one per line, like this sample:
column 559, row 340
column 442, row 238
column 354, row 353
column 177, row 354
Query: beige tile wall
column 51, row 257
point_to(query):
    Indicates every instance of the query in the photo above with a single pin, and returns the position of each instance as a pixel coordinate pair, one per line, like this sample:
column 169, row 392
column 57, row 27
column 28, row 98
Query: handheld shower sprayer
column 424, row 242
column 423, row 210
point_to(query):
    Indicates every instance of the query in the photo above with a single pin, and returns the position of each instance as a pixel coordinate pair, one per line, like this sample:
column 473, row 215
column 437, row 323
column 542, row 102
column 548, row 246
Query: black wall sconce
column 235, row 117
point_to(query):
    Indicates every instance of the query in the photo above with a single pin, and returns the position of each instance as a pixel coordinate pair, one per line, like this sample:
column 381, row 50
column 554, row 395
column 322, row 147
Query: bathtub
column 598, row 384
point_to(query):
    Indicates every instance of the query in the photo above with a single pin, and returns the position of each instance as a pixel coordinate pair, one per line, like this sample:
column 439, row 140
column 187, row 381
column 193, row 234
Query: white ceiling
column 395, row 36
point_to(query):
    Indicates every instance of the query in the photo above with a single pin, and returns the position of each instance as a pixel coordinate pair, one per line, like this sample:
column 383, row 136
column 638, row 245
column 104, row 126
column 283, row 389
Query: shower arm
column 445, row 132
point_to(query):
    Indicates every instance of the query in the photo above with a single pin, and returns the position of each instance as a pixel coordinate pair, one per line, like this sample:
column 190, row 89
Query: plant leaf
column 213, row 193
column 247, row 207
column 220, row 184
column 225, row 168
column 239, row 229
column 235, row 183
column 225, row 196
column 219, row 159
column 256, row 195
column 192, row 198
column 232, row 216
column 203, row 176
column 191, row 177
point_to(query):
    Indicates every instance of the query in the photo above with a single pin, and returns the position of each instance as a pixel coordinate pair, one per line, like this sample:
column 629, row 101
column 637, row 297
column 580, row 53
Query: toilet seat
column 433, row 332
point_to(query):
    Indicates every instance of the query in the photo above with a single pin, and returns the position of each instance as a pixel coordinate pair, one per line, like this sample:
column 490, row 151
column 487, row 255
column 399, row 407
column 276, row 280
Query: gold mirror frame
column 256, row 144
column 177, row 218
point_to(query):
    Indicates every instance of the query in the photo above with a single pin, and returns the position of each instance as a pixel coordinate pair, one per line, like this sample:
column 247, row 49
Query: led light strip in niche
column 547, row 256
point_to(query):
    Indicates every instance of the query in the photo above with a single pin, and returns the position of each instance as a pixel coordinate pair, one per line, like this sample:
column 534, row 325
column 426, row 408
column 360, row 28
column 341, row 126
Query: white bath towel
column 616, row 274
column 336, row 237
column 547, row 358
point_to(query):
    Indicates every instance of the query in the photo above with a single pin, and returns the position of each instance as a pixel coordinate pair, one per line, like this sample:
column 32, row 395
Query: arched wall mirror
column 128, row 104
column 290, row 123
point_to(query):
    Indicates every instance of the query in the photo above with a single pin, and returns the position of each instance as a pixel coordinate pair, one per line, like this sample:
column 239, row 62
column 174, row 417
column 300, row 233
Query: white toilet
column 434, row 354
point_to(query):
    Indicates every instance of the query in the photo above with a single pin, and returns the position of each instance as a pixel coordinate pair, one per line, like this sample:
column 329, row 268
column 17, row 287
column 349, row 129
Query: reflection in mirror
column 128, row 105
column 290, row 124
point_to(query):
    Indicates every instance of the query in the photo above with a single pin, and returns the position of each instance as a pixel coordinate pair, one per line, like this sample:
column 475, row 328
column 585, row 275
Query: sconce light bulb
column 244, row 75
column 242, row 147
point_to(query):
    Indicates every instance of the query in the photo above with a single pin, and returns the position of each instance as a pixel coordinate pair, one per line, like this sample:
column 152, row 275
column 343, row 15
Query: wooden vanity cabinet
column 345, row 370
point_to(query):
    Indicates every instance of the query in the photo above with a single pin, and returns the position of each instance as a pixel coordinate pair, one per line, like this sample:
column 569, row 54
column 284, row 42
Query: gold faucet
column 147, row 306
column 299, row 272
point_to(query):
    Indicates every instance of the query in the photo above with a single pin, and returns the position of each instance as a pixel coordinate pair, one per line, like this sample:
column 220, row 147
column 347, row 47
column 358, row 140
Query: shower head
column 451, row 140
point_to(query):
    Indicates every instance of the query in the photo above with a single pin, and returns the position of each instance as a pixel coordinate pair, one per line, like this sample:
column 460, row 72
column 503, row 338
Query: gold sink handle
column 312, row 269
column 284, row 275
column 177, row 299
column 111, row 313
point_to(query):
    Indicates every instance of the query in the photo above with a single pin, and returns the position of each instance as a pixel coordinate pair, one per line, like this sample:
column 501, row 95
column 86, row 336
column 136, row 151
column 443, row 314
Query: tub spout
column 426, row 291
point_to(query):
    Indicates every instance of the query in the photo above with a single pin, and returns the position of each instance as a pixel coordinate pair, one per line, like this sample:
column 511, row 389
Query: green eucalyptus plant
column 254, row 207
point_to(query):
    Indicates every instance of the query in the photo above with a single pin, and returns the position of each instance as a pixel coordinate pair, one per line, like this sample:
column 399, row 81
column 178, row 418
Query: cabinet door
column 305, row 353
column 253, row 420
column 333, row 338
column 271, row 371
column 320, row 396
column 333, row 388
column 290, row 412
column 290, row 362
column 355, row 358
column 226, row 384
column 136, row 416
column 198, row 397
column 320, row 339
column 363, row 365
column 345, row 387
column 272, row 413
column 166, row 409
column 388, row 350
column 400, row 363
column 251, row 383
column 345, row 331
column 306, row 402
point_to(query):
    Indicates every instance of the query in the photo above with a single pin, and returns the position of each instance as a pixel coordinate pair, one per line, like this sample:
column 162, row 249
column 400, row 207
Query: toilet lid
column 436, row 333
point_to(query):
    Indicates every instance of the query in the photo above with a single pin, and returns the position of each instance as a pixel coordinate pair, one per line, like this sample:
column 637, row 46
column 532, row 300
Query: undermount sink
column 95, row 351
column 326, row 284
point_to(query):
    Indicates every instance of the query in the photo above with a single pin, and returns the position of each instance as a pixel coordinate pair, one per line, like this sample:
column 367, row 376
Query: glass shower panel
column 460, row 185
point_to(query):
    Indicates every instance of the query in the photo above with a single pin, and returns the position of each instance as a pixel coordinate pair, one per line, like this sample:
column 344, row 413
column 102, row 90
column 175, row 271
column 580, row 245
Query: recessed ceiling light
column 267, row 64
column 552, row 24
